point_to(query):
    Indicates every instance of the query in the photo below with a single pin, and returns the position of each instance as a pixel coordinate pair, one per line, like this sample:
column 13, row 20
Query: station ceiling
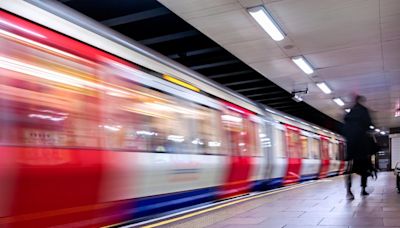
column 152, row 24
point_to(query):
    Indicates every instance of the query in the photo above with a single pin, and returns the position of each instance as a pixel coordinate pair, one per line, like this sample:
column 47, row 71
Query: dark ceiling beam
column 264, row 94
column 216, row 64
column 242, row 82
column 277, row 103
column 272, row 99
column 230, row 74
column 136, row 17
column 194, row 53
column 169, row 37
column 283, row 107
column 254, row 88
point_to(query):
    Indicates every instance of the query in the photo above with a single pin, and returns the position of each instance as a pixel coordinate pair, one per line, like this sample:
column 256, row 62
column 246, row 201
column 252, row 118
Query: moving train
column 96, row 129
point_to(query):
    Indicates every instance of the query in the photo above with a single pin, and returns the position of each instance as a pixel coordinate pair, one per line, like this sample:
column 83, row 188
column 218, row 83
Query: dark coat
column 356, row 125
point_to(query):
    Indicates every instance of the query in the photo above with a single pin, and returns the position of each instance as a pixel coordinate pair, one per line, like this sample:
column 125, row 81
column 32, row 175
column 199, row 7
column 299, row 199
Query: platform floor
column 320, row 204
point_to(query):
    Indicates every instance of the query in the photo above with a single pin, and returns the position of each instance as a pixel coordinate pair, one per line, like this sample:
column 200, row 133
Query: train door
column 324, row 157
column 293, row 148
column 237, row 125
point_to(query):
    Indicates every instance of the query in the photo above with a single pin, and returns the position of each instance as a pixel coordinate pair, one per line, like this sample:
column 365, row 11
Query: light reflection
column 38, row 45
column 214, row 144
column 47, row 117
column 176, row 138
column 231, row 118
column 197, row 141
column 149, row 133
column 111, row 128
column 21, row 28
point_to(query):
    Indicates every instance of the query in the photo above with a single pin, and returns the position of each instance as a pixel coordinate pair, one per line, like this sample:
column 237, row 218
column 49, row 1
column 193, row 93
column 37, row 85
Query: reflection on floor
column 322, row 204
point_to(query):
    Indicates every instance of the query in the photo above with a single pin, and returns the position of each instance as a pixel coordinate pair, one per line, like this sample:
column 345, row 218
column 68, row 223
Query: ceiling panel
column 346, row 56
column 391, row 55
column 316, row 25
column 262, row 50
column 223, row 31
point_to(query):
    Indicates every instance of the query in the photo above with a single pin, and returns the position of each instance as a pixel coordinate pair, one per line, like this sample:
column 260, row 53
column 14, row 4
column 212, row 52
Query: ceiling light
column 297, row 98
column 324, row 87
column 303, row 64
column 383, row 133
column 347, row 110
column 338, row 101
column 371, row 127
column 266, row 21
column 377, row 130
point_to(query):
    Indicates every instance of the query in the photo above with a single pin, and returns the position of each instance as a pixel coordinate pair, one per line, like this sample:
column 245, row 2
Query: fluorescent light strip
column 338, row 101
column 37, row 44
column 21, row 28
column 303, row 64
column 324, row 87
column 265, row 20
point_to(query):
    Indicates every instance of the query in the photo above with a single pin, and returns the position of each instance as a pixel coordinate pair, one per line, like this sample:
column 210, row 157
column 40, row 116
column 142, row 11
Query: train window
column 304, row 146
column 324, row 149
column 334, row 153
column 42, row 105
column 314, row 148
column 209, row 138
column 293, row 143
column 265, row 137
column 233, row 125
column 253, row 139
column 170, row 124
column 280, row 143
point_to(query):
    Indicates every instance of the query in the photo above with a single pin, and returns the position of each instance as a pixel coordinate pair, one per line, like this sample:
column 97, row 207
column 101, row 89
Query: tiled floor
column 322, row 204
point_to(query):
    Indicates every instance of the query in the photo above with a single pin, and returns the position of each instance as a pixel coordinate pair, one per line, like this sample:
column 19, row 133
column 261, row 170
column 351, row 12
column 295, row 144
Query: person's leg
column 364, row 178
column 348, row 180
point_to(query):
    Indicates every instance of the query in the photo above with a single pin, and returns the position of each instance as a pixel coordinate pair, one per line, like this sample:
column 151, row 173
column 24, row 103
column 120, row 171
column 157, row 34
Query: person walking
column 356, row 125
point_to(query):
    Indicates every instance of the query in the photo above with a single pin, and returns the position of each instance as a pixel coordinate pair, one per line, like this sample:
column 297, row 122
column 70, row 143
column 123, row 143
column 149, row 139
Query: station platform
column 320, row 203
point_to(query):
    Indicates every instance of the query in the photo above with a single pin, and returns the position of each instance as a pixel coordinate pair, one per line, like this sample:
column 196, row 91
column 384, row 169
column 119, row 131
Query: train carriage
column 94, row 132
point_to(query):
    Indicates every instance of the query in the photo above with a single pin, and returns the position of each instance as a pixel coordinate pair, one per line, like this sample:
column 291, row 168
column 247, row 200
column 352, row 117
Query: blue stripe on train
column 333, row 173
column 308, row 177
column 168, row 202
column 274, row 183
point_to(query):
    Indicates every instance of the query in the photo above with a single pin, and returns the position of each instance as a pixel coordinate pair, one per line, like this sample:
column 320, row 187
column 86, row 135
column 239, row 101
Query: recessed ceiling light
column 347, row 110
column 303, row 64
column 266, row 21
column 297, row 98
column 338, row 101
column 324, row 87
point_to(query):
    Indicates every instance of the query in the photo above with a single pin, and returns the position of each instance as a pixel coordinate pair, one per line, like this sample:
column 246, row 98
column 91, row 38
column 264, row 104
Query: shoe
column 364, row 193
column 350, row 195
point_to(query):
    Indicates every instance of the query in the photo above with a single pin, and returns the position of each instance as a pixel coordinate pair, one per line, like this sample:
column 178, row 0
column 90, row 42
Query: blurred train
column 95, row 132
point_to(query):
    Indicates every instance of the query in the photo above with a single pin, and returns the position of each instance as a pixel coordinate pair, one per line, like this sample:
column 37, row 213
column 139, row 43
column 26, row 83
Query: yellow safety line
column 218, row 207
